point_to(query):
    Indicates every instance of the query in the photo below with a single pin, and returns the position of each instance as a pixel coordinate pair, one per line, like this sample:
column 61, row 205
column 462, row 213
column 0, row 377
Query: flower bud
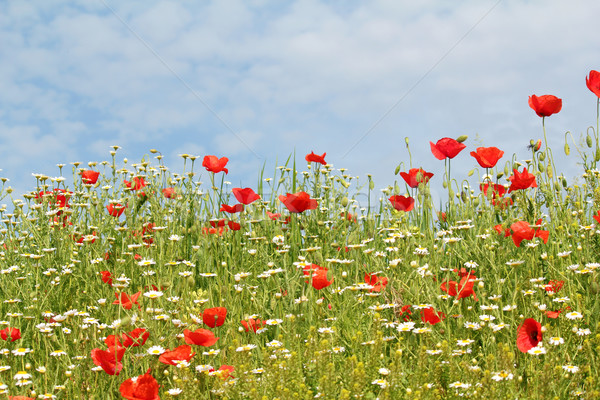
column 462, row 138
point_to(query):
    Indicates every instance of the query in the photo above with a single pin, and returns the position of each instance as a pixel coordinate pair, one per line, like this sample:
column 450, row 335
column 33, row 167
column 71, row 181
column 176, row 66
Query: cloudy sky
column 257, row 80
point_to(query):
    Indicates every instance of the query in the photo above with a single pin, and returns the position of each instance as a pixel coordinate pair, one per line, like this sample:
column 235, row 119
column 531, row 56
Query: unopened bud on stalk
column 462, row 138
column 499, row 175
column 597, row 158
column 542, row 157
column 541, row 167
column 406, row 140
column 464, row 197
column 397, row 170
column 471, row 172
column 549, row 170
column 564, row 182
column 153, row 151
column 567, row 149
column 588, row 141
column 344, row 201
column 557, row 186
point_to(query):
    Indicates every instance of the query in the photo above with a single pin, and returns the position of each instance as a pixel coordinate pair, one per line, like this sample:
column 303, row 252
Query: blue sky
column 258, row 80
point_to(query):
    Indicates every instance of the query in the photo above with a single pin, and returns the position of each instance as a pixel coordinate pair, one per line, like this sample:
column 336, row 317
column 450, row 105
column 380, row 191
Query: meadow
column 135, row 282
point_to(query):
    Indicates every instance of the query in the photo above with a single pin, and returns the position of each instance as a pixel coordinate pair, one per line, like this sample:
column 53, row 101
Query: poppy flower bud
column 541, row 167
column 499, row 175
column 344, row 201
column 406, row 140
column 597, row 158
column 567, row 149
column 588, row 141
column 462, row 138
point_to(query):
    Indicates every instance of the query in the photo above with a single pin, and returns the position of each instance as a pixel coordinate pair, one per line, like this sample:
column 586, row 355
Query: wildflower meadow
column 135, row 282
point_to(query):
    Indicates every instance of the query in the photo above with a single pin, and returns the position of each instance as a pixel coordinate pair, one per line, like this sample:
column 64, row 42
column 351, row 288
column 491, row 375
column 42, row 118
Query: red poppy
column 502, row 230
column 529, row 335
column 200, row 337
column 20, row 398
column 298, row 202
column 217, row 223
column 446, row 148
column 252, row 324
column 115, row 210
column 497, row 191
column 173, row 357
column 214, row 316
column 169, row 192
column 135, row 338
column 348, row 216
column 597, row 216
column 319, row 280
column 245, row 195
column 89, row 177
column 310, row 268
column 232, row 209
column 312, row 157
column 145, row 387
column 415, row 176
column 214, row 231
column 109, row 360
column 432, row 317
column 106, row 277
column 442, row 216
column 593, row 82
column 462, row 289
column 553, row 314
column 136, row 183
column 224, row 371
column 405, row 312
column 214, row 164
column 487, row 157
column 521, row 230
column 378, row 282
column 546, row 105
column 11, row 334
column 275, row 216
column 234, row 226
column 401, row 203
column 554, row 286
column 521, row 180
column 319, row 276
column 127, row 301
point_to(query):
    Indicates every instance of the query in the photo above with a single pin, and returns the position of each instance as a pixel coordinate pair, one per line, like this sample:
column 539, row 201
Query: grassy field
column 140, row 283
